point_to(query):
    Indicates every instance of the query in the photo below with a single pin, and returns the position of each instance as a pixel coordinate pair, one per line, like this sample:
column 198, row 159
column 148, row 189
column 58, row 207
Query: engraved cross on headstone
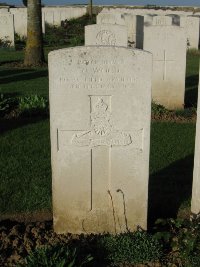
column 99, row 139
column 165, row 61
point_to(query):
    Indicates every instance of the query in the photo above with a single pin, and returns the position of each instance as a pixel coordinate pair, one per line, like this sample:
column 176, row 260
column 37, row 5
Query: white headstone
column 133, row 23
column 110, row 18
column 4, row 10
column 135, row 26
column 7, row 28
column 100, row 107
column 191, row 26
column 175, row 19
column 106, row 34
column 48, row 17
column 168, row 46
column 195, row 204
column 162, row 21
column 55, row 15
column 20, row 21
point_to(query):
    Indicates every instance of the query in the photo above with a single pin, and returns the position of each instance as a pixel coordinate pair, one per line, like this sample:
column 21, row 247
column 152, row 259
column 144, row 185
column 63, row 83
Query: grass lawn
column 25, row 176
column 26, row 170
column 192, row 78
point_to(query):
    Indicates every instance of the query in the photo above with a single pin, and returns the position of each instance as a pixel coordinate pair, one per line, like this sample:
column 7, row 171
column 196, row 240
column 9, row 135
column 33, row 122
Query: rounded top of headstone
column 96, row 51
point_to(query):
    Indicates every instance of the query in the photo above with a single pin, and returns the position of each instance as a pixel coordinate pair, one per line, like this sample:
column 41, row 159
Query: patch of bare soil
column 17, row 240
column 28, row 217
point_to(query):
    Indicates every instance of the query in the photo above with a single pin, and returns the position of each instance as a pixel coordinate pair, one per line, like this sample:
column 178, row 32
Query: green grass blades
column 33, row 105
column 56, row 256
column 171, row 168
column 25, row 177
column 130, row 248
column 24, row 82
column 192, row 77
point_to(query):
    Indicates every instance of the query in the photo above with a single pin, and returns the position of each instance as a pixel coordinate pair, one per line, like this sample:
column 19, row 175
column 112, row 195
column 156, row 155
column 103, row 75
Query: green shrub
column 158, row 109
column 76, row 40
column 130, row 248
column 33, row 105
column 71, row 35
column 54, row 36
column 7, row 103
column 186, row 113
column 5, row 43
column 20, row 42
column 193, row 51
column 181, row 238
column 56, row 256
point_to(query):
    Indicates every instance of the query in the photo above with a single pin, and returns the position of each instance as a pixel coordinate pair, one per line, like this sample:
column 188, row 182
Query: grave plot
column 100, row 130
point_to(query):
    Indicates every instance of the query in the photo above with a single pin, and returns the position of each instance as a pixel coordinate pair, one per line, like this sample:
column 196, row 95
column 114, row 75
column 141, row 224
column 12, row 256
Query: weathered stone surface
column 135, row 26
column 20, row 21
column 191, row 26
column 110, row 18
column 54, row 15
column 162, row 21
column 175, row 19
column 133, row 23
column 106, row 34
column 100, row 107
column 7, row 28
column 168, row 46
column 195, row 204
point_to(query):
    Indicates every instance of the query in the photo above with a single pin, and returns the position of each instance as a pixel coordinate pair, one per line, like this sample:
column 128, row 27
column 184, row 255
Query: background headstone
column 100, row 110
column 20, row 21
column 191, row 26
column 7, row 28
column 168, row 46
column 106, row 34
column 133, row 23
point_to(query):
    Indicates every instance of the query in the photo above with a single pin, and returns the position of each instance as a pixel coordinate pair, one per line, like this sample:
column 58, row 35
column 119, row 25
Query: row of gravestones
column 54, row 15
column 100, row 112
column 167, row 43
column 100, row 130
column 14, row 20
column 136, row 24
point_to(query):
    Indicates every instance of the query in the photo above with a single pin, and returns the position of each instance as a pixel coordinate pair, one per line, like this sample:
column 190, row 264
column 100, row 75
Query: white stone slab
column 48, row 17
column 148, row 19
column 175, row 19
column 4, row 10
column 195, row 203
column 168, row 46
column 106, row 34
column 162, row 21
column 54, row 15
column 7, row 28
column 20, row 21
column 110, row 18
column 100, row 107
column 134, row 24
column 191, row 26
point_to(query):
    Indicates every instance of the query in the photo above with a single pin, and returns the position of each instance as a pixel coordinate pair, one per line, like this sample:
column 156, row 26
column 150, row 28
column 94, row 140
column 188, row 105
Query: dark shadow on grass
column 10, row 124
column 9, row 72
column 169, row 188
column 191, row 92
column 21, row 75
